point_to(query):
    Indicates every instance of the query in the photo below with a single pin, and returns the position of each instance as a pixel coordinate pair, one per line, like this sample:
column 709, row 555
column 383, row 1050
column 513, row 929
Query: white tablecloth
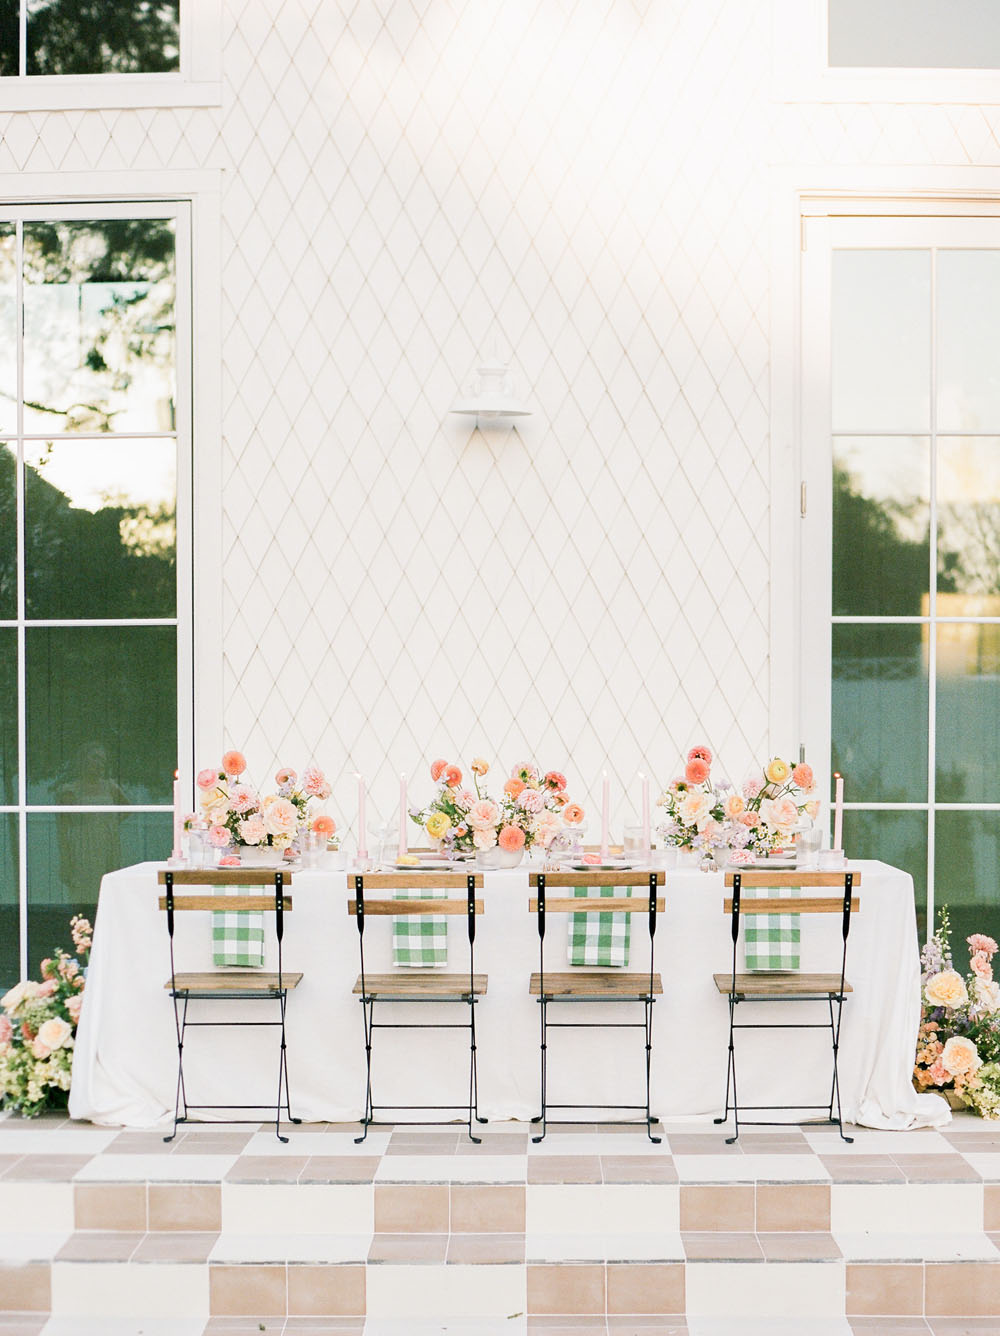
column 125, row 1062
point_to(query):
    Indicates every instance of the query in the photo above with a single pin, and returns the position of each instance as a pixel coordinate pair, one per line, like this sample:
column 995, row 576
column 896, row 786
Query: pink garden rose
column 531, row 800
column 253, row 830
column 233, row 764
column 54, row 1033
column 207, row 779
column 314, row 783
column 694, row 808
column 780, row 814
column 546, row 828
column 218, row 837
column 484, row 837
column 511, row 838
column 48, row 988
column 484, row 813
column 938, row 1073
column 980, row 942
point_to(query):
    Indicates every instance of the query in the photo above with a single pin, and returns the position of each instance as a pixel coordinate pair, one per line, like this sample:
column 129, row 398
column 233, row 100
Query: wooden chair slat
column 227, row 903
column 421, row 984
column 592, row 904
column 416, row 907
column 226, row 876
column 234, row 981
column 405, row 881
column 787, row 877
column 636, row 877
column 594, row 985
column 826, row 904
column 781, row 984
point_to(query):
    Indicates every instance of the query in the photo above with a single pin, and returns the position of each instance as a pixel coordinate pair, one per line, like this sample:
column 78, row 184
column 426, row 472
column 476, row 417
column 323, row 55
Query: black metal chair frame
column 545, row 1000
column 368, row 1001
column 832, row 1024
column 278, row 994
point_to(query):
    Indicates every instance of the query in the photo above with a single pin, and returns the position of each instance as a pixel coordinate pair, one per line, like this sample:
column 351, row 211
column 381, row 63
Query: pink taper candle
column 175, row 854
column 604, row 818
column 402, row 815
column 362, row 837
column 646, row 840
column 838, row 812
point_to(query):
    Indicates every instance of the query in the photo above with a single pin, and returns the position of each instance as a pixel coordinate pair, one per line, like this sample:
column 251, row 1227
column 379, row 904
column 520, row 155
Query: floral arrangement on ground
column 235, row 815
column 958, row 1043
column 38, row 1030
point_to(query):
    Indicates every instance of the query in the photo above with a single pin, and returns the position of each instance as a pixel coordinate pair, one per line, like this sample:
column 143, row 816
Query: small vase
column 493, row 859
column 261, row 855
column 687, row 858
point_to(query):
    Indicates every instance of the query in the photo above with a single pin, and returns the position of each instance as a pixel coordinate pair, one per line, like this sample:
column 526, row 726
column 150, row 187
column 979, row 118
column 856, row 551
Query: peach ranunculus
column 803, row 776
column 960, row 1056
column 572, row 814
column 700, row 754
column 484, row 813
column 479, row 766
column 484, row 837
column 692, row 808
column 511, row 838
column 733, row 806
column 437, row 769
column 777, row 770
column 696, row 771
column 281, row 817
column 207, row 779
column 252, row 830
column 233, row 764
column 946, row 989
column 54, row 1033
column 980, row 965
column 453, row 776
column 218, row 837
column 514, row 787
column 980, row 942
column 323, row 825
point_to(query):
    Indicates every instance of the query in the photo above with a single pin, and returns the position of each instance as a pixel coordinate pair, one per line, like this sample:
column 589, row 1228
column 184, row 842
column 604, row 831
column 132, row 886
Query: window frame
column 198, row 83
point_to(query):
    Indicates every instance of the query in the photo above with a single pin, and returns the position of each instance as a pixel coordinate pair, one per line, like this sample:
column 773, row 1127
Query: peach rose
column 733, row 806
column 780, row 814
column 253, row 831
column 749, row 819
column 233, row 764
column 514, row 787
column 693, row 808
column 545, row 828
column 48, row 988
column 960, row 1056
column 511, row 838
column 281, row 817
column 572, row 814
column 988, row 995
column 54, row 1033
column 21, row 992
column 812, row 808
column 802, row 775
column 437, row 769
column 696, row 771
column 947, row 989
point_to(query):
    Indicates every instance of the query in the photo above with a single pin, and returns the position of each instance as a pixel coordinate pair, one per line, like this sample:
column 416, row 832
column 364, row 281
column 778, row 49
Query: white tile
column 771, row 1326
column 44, row 1206
column 512, row 1325
column 303, row 1208
column 445, row 1291
column 123, row 1326
column 562, row 1208
column 878, row 1246
column 452, row 1169
column 30, row 1245
column 750, row 1168
column 768, row 1290
column 175, row 1168
column 316, row 1143
column 279, row 1246
column 77, row 1140
column 600, row 1245
column 987, row 1164
column 116, row 1289
column 896, row 1208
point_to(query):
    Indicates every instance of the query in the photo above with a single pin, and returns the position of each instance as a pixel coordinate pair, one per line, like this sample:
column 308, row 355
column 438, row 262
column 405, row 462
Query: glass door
column 900, row 606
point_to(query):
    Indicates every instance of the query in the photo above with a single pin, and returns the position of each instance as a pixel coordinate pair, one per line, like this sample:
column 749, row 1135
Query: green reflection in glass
column 101, row 714
column 881, row 525
column 100, row 532
column 10, row 966
column 10, row 38
column 897, row 838
column 968, row 488
column 99, row 347
column 880, row 712
column 8, row 718
column 69, row 853
column 103, row 36
column 968, row 712
column 8, row 325
column 8, row 533
column 966, row 853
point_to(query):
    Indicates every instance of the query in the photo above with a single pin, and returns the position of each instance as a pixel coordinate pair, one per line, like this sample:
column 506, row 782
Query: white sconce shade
column 491, row 395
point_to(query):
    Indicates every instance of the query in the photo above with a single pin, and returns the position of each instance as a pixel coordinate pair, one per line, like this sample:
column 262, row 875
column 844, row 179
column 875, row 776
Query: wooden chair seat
column 784, row 984
column 421, row 986
column 594, row 986
column 253, row 983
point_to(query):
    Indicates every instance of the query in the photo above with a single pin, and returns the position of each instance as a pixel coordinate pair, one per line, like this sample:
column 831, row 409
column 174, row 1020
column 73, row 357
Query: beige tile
column 991, row 1207
column 175, row 1246
column 185, row 1206
column 255, row 1291
column 937, row 1169
column 25, row 1289
column 115, row 1206
column 487, row 1208
column 703, row 1143
column 566, row 1289
column 340, row 1169
column 326, row 1290
column 962, row 1289
column 723, row 1206
column 409, row 1247
column 638, row 1169
column 46, row 1168
column 98, row 1247
column 719, row 1245
column 787, row 1246
column 401, row 1207
column 889, row 1326
column 484, row 1249
column 652, row 1288
column 564, row 1169
column 795, row 1206
column 267, row 1169
column 896, row 1288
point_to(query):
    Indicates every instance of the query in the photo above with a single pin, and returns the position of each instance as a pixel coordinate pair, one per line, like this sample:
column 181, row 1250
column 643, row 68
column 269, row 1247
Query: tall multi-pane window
column 49, row 37
column 93, row 438
column 911, row 443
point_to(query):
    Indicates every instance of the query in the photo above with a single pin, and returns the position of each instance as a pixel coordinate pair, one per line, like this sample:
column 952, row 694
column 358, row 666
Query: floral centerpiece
column 38, row 1029
column 958, row 1043
column 696, row 815
column 531, row 811
column 769, row 806
column 239, row 818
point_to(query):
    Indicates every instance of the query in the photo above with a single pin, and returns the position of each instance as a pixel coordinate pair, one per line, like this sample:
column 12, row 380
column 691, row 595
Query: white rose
column 21, row 992
column 281, row 817
column 54, row 1033
column 988, row 994
column 693, row 808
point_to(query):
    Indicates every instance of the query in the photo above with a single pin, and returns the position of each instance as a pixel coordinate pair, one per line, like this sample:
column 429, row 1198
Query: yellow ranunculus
column 777, row 770
column 437, row 824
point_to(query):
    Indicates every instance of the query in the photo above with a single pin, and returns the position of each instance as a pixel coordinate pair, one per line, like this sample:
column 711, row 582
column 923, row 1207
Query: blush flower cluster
column 236, row 815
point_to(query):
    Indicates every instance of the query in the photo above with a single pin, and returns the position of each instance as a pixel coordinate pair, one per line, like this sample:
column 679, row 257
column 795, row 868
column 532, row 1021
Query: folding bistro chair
column 768, row 986
column 586, row 985
column 229, row 985
column 419, row 985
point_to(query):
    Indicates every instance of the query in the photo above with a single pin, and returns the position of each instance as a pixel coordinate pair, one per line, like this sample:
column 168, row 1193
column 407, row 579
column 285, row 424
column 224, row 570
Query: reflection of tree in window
column 103, row 36
column 99, row 325
column 9, row 36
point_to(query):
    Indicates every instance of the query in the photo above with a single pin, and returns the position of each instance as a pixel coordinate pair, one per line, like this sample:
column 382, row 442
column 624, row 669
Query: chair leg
column 729, row 1066
column 732, row 1073
column 368, row 1016
column 836, row 1072
column 180, row 1095
column 649, row 1056
column 475, row 1082
column 543, row 1008
column 472, row 1069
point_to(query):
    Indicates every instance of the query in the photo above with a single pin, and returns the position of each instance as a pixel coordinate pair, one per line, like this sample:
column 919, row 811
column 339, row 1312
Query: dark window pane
column 10, row 968
column 69, row 853
column 99, row 326
column 897, row 838
column 8, row 325
column 103, row 36
column 8, row 718
column 102, row 714
column 8, row 533
column 966, row 852
column 881, row 525
column 914, row 34
column 100, row 536
column 9, row 37
column 880, row 712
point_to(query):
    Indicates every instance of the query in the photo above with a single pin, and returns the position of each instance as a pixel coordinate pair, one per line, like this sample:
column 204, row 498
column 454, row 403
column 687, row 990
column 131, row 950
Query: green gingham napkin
column 599, row 939
column 238, row 935
column 771, row 941
column 420, row 939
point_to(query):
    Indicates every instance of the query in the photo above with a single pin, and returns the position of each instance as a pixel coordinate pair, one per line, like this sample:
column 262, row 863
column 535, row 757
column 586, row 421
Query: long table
column 125, row 1062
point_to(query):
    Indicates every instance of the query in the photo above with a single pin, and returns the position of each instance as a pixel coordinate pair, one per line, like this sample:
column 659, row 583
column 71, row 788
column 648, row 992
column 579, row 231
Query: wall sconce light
column 491, row 395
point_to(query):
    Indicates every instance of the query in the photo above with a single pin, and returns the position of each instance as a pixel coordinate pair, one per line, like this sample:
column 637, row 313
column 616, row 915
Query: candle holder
column 832, row 858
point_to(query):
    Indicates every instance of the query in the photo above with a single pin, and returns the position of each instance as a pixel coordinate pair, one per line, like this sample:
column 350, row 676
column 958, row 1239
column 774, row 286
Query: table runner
column 238, row 935
column 599, row 939
column 772, row 941
column 420, row 939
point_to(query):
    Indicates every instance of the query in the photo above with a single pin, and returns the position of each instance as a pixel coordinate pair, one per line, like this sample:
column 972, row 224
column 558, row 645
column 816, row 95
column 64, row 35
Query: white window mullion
column 22, row 713
column 932, row 612
column 22, row 39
